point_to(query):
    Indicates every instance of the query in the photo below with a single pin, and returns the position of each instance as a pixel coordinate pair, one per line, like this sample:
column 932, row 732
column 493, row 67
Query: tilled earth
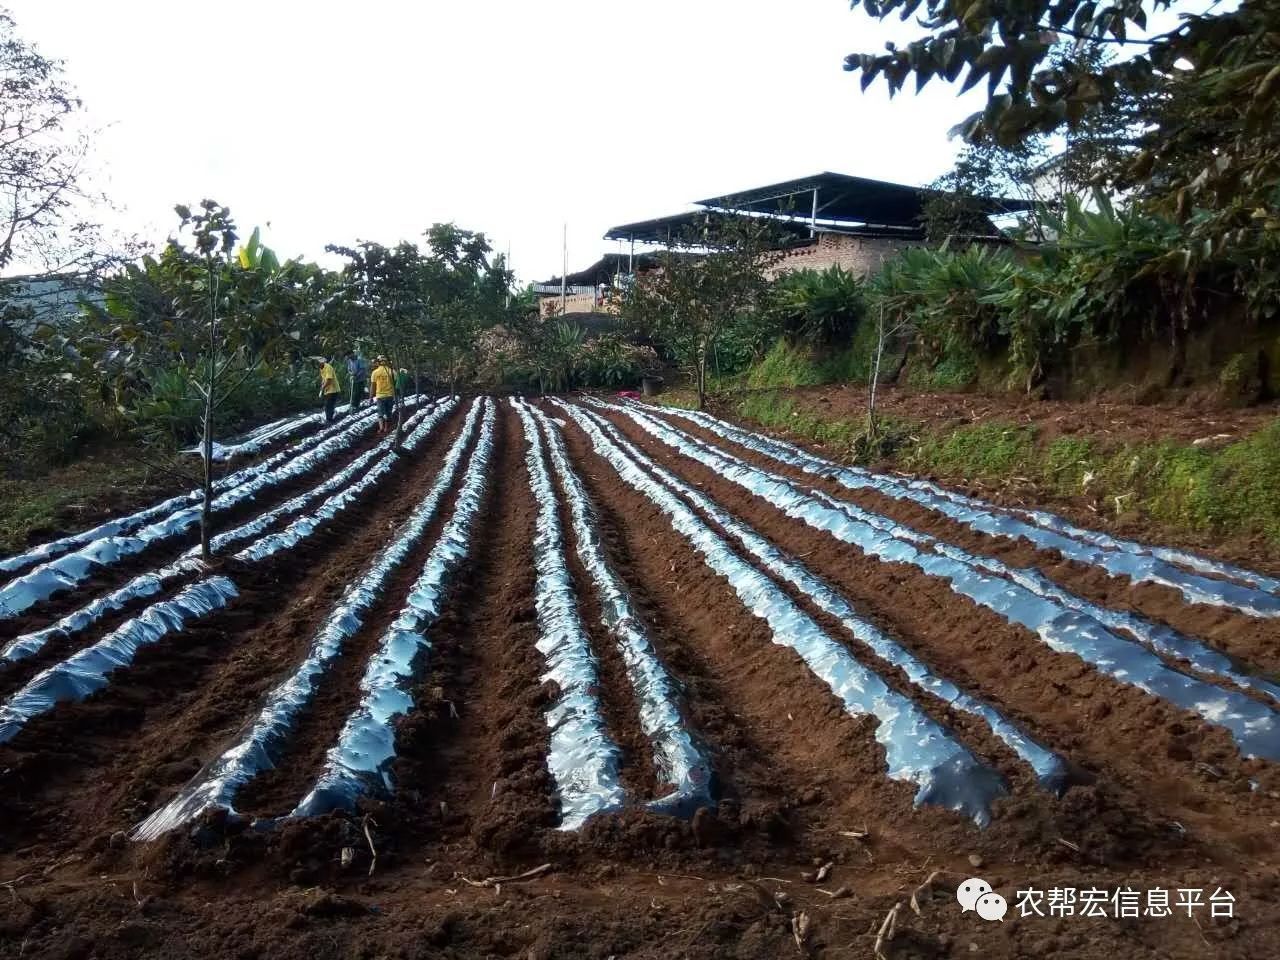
column 805, row 842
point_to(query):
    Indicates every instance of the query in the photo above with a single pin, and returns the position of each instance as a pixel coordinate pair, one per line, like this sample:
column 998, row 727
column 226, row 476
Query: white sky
column 332, row 122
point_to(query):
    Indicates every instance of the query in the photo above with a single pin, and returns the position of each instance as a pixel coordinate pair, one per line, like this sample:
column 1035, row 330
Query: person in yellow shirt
column 329, row 389
column 382, row 386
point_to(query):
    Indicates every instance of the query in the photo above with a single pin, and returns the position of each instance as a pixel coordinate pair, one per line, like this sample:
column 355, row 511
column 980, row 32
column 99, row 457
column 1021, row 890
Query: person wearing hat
column 382, row 385
column 329, row 388
column 357, row 373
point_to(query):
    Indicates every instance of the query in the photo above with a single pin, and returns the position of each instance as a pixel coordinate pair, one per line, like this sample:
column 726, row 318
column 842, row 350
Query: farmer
column 402, row 383
column 382, row 386
column 329, row 388
column 358, row 371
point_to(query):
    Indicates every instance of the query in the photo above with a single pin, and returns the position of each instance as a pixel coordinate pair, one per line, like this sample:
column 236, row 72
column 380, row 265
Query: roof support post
column 813, row 215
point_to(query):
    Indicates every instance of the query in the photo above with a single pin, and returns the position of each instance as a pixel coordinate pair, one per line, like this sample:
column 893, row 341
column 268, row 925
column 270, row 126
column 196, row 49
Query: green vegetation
column 981, row 450
column 1189, row 117
column 697, row 301
column 1179, row 279
column 57, row 499
column 796, row 365
column 1230, row 490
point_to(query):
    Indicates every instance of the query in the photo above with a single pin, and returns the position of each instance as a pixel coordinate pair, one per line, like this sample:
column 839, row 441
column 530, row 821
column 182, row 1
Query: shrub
column 609, row 361
column 818, row 307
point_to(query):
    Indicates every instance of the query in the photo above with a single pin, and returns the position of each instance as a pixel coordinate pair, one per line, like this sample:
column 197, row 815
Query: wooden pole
column 564, row 272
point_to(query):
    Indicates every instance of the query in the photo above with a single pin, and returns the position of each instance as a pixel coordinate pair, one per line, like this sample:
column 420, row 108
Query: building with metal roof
column 824, row 220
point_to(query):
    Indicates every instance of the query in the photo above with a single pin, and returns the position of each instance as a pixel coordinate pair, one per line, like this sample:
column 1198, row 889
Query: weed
column 984, row 450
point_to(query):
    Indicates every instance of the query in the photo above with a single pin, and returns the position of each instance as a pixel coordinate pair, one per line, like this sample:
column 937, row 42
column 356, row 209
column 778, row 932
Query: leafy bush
column 610, row 361
column 167, row 410
column 818, row 307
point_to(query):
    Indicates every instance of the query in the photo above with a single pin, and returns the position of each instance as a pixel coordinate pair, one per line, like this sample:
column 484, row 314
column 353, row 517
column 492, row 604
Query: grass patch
column 785, row 365
column 1069, row 461
column 1228, row 491
column 847, row 435
column 982, row 450
column 70, row 497
column 790, row 365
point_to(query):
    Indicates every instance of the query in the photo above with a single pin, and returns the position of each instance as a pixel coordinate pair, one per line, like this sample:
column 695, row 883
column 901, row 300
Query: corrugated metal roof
column 843, row 198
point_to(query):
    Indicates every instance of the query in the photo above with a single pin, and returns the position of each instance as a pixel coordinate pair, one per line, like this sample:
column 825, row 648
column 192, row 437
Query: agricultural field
column 582, row 677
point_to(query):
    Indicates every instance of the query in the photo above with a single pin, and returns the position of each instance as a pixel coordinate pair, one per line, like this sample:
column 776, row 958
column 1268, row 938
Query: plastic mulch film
column 125, row 524
column 144, row 585
column 1043, row 518
column 1049, row 768
column 1254, row 594
column 359, row 764
column 256, row 526
column 25, row 591
column 308, row 523
column 152, row 582
column 582, row 758
column 1161, row 638
column 1252, row 724
column 269, row 428
column 257, row 440
column 678, row 758
column 86, row 672
column 258, row 747
column 918, row 749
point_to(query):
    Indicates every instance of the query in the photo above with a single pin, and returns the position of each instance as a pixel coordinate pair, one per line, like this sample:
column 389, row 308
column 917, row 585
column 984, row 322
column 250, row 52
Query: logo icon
column 992, row 906
column 969, row 892
column 976, row 894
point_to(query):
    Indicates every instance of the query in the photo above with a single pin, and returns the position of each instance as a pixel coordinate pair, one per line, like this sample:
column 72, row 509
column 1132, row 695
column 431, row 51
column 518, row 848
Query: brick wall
column 861, row 256
column 574, row 303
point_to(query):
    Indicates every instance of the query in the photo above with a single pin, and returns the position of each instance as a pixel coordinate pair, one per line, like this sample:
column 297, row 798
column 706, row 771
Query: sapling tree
column 705, row 284
column 889, row 329
column 202, row 314
column 245, row 303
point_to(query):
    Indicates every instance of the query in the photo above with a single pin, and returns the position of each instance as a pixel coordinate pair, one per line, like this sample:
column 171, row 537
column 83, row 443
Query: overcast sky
column 332, row 122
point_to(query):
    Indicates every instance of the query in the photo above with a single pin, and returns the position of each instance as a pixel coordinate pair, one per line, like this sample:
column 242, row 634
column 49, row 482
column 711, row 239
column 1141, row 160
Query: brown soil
column 1161, row 799
column 1116, row 421
column 170, row 549
column 1249, row 638
column 1102, row 421
column 104, row 483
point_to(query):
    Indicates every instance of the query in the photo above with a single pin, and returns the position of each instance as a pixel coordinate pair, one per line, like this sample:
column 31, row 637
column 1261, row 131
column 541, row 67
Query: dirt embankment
column 1119, row 421
column 1157, row 472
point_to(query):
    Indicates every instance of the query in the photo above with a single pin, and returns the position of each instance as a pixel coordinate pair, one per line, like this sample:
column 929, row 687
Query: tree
column 40, row 162
column 888, row 330
column 1211, row 84
column 203, row 314
column 466, row 294
column 958, row 204
column 706, row 283
column 423, row 309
